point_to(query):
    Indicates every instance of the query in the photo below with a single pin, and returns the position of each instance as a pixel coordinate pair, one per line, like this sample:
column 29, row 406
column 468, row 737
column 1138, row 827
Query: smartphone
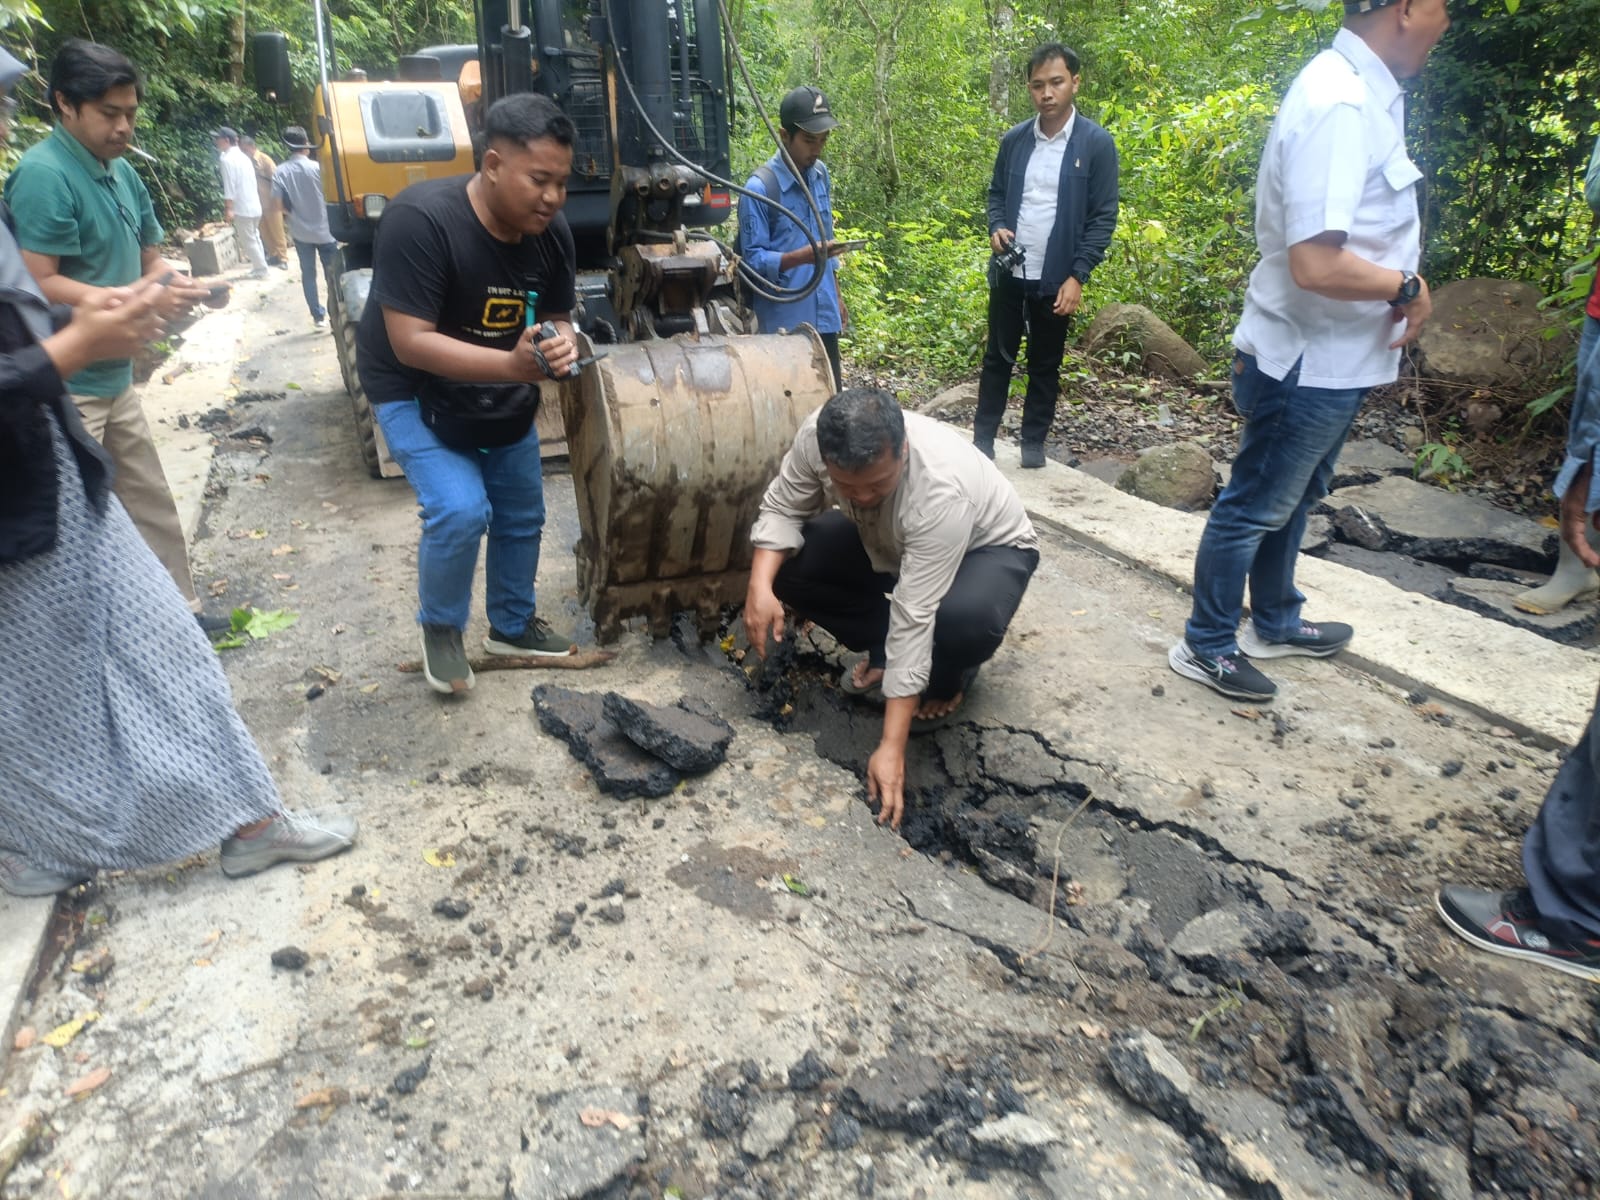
column 854, row 244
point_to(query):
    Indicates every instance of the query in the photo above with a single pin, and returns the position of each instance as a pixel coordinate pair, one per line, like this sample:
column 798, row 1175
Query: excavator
column 685, row 412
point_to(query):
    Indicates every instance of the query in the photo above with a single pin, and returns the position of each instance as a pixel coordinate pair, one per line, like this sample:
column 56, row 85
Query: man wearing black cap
column 241, row 202
column 779, row 250
column 297, row 190
column 1333, row 299
column 1053, row 197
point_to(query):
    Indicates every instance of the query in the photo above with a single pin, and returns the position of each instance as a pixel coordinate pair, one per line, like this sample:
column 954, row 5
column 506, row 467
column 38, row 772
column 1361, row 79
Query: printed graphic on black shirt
column 434, row 259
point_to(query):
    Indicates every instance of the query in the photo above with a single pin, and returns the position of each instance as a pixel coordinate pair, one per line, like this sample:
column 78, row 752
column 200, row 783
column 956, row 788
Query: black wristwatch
column 1410, row 289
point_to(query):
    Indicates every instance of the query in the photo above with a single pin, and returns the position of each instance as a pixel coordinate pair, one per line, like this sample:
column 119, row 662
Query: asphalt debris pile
column 632, row 748
column 972, row 1113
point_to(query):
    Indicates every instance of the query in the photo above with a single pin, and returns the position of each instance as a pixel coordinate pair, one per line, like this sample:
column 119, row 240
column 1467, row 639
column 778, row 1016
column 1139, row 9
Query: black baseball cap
column 806, row 108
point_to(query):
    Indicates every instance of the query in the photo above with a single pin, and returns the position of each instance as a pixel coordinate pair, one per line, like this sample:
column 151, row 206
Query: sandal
column 871, row 694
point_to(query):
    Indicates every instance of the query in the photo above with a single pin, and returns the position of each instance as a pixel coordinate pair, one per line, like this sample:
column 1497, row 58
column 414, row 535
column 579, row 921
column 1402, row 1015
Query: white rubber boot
column 1572, row 581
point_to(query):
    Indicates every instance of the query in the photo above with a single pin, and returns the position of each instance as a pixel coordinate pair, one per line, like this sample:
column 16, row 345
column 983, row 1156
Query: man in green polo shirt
column 85, row 222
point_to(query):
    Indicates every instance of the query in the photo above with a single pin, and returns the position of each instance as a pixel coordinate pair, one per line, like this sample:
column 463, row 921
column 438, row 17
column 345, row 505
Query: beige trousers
column 118, row 424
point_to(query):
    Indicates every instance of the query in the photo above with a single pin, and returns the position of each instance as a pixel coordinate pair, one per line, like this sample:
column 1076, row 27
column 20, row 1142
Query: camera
column 1011, row 257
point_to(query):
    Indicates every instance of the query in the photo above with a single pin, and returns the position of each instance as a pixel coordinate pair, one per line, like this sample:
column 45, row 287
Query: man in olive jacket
column 1053, row 196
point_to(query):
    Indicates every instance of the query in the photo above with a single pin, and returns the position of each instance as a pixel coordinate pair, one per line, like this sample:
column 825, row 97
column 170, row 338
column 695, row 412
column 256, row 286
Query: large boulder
column 1489, row 333
column 1133, row 327
column 1180, row 476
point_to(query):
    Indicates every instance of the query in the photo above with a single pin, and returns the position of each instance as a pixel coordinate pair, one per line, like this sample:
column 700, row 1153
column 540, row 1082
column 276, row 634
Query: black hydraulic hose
column 759, row 285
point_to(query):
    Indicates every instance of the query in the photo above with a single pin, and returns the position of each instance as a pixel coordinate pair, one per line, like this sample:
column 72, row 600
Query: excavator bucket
column 672, row 442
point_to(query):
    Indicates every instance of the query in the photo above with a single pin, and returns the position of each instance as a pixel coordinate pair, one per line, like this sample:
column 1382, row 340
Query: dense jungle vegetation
column 1501, row 125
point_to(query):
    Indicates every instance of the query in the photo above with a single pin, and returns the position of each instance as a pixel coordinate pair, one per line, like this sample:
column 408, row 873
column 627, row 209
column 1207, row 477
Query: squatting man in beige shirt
column 921, row 565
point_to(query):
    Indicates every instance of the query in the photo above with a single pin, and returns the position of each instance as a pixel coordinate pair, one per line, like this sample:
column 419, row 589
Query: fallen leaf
column 26, row 1036
column 1078, row 612
column 293, row 387
column 818, row 822
column 257, row 535
column 202, row 962
column 280, row 551
column 62, row 1034
column 1550, row 522
column 330, row 506
column 1249, row 714
column 797, row 886
column 297, row 523
column 219, row 587
column 212, row 938
column 328, row 1097
column 327, row 673
column 282, row 577
column 726, row 644
column 416, row 1041
column 435, row 859
column 368, row 689
column 594, row 1118
column 82, row 1087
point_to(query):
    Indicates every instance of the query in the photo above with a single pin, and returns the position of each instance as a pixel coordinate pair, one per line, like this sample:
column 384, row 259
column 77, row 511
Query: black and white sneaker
column 1226, row 674
column 1508, row 923
column 1312, row 641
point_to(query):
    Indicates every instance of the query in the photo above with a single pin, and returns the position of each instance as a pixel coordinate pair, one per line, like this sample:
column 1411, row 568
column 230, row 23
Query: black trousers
column 1561, row 851
column 830, row 580
column 830, row 343
column 1013, row 302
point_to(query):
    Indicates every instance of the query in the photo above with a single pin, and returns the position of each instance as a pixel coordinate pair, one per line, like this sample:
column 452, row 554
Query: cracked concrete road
column 946, row 982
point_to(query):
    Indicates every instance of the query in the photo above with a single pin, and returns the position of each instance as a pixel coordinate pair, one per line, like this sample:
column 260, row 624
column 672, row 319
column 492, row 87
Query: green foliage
column 925, row 317
column 1502, row 128
column 1441, row 462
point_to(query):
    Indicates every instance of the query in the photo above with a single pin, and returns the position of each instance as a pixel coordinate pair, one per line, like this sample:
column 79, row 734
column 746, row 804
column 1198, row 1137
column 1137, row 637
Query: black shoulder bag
column 478, row 416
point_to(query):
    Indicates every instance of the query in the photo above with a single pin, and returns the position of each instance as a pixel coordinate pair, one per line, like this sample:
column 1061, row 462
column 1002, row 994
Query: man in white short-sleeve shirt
column 1333, row 299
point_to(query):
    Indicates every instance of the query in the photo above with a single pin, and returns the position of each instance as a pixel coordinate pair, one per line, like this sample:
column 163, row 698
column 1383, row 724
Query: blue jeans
column 309, row 252
column 463, row 494
column 1291, row 438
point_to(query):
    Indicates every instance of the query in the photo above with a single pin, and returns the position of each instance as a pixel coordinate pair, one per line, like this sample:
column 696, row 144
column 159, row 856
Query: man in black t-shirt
column 447, row 356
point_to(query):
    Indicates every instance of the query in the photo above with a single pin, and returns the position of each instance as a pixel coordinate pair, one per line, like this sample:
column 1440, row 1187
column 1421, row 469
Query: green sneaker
column 537, row 639
column 444, row 660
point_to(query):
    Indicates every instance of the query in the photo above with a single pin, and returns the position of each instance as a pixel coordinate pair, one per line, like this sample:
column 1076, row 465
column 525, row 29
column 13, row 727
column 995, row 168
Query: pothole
column 1374, row 1073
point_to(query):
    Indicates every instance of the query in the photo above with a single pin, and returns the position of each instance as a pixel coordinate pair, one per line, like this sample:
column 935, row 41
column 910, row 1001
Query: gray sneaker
column 20, row 878
column 444, row 660
column 537, row 639
column 289, row 837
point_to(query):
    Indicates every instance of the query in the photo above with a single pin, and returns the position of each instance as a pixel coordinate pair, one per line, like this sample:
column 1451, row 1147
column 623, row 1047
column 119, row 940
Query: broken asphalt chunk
column 619, row 767
column 290, row 958
column 688, row 736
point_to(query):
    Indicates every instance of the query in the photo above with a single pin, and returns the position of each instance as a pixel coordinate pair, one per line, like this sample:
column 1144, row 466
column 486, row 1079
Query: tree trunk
column 882, row 73
column 1000, row 15
column 236, row 45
